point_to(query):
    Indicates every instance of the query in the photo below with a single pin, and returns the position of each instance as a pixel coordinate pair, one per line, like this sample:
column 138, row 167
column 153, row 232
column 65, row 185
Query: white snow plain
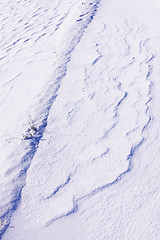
column 79, row 107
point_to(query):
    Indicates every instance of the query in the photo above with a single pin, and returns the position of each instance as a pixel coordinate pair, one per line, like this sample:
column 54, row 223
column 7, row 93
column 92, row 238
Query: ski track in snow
column 99, row 76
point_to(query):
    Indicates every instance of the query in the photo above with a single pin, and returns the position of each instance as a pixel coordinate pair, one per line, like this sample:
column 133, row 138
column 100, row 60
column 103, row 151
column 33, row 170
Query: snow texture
column 79, row 107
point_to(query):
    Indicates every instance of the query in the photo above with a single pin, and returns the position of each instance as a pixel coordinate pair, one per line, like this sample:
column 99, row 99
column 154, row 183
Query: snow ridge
column 115, row 81
column 144, row 73
column 76, row 202
column 74, row 34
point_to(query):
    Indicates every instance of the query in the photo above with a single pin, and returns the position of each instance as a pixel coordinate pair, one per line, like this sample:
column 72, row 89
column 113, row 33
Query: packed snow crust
column 79, row 107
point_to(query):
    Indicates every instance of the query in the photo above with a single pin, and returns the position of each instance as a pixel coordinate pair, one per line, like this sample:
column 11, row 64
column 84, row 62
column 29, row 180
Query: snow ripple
column 30, row 31
column 98, row 120
column 141, row 65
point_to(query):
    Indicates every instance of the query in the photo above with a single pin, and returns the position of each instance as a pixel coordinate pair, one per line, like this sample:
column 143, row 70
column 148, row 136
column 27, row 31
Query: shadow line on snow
column 34, row 142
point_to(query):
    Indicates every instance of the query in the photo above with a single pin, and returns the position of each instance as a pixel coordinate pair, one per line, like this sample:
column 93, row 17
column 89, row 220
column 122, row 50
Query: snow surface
column 79, row 107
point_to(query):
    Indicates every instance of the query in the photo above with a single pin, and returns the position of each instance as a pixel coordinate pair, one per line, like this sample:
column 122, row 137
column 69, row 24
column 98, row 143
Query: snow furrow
column 16, row 174
column 136, row 144
column 60, row 187
column 99, row 115
column 77, row 202
column 80, row 151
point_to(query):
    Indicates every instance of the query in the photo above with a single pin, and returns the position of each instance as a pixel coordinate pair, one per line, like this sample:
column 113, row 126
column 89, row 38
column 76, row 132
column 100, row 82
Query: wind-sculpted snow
column 112, row 121
column 36, row 44
column 95, row 125
column 80, row 94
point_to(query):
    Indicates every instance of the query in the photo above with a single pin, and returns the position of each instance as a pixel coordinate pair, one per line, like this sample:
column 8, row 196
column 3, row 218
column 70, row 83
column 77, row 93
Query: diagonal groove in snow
column 119, row 82
column 46, row 103
column 60, row 187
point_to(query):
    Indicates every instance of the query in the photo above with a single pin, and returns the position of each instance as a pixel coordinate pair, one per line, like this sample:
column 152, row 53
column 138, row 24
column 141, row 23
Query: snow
column 79, row 107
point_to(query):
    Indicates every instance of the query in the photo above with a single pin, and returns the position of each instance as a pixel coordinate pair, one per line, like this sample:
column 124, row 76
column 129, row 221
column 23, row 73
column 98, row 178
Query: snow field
column 92, row 168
